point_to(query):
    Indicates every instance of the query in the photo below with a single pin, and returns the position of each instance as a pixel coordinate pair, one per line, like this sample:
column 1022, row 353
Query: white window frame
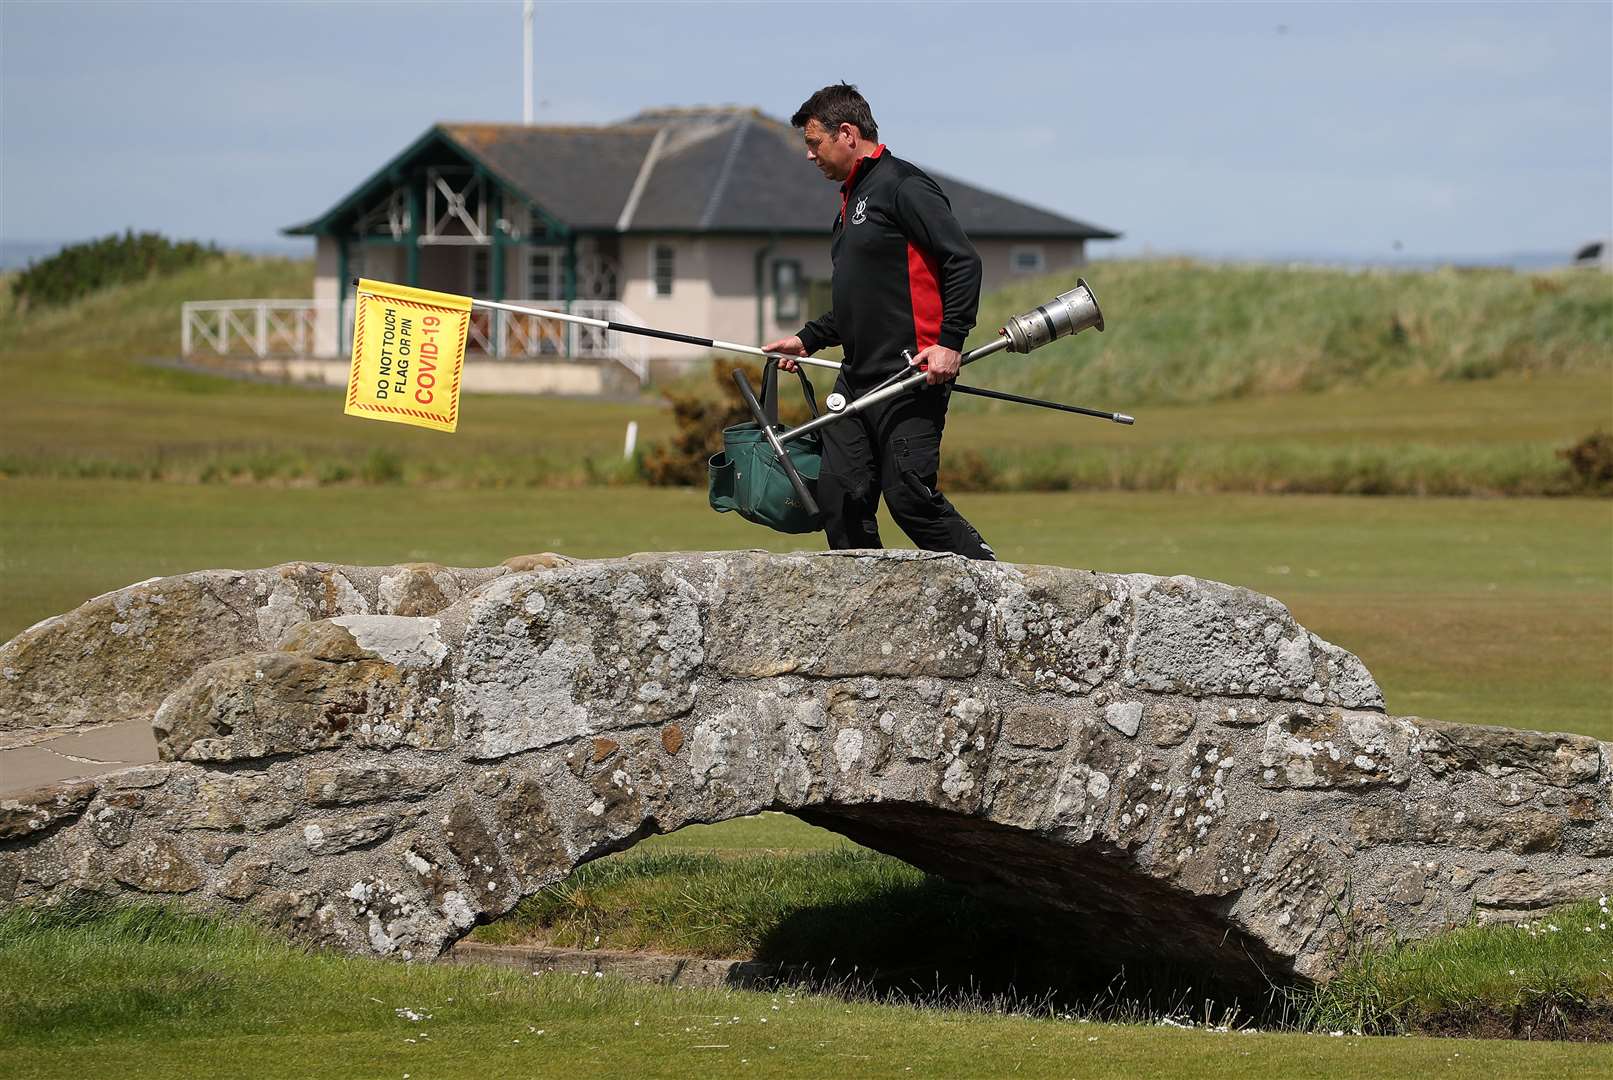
column 557, row 271
column 473, row 287
column 1037, row 251
column 787, row 303
column 655, row 284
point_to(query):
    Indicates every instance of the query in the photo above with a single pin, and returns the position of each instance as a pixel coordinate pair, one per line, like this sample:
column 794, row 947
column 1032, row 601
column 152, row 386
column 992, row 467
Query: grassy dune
column 1182, row 332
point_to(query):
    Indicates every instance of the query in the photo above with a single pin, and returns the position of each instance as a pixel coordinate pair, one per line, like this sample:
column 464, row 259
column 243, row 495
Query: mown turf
column 1481, row 611
column 772, row 833
column 143, row 995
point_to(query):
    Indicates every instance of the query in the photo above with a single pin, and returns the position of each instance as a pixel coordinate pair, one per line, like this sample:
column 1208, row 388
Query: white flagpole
column 623, row 328
column 526, row 62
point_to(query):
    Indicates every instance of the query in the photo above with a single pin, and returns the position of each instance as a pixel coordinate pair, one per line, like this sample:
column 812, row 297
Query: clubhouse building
column 706, row 220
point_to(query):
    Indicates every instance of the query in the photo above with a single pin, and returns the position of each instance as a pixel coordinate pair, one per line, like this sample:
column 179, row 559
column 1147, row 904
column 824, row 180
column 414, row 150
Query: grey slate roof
column 580, row 175
column 718, row 170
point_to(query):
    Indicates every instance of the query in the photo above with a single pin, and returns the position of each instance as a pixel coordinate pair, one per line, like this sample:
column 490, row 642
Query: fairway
column 1495, row 611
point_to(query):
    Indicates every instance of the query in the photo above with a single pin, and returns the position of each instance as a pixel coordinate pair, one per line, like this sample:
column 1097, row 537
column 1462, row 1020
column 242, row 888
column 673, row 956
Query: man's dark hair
column 835, row 105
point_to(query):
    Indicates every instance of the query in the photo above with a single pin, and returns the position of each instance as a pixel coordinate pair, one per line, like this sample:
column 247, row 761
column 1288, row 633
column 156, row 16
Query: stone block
column 38, row 810
column 914, row 616
column 158, row 865
column 1124, row 716
column 1059, row 629
column 1334, row 748
column 350, row 785
column 245, row 881
column 266, row 704
column 1034, row 727
column 116, row 656
column 576, row 651
column 1197, row 637
column 265, row 802
column 1524, row 889
column 328, row 836
column 1554, row 759
column 489, row 883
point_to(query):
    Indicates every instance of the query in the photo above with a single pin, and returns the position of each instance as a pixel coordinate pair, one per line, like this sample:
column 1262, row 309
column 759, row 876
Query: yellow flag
column 408, row 353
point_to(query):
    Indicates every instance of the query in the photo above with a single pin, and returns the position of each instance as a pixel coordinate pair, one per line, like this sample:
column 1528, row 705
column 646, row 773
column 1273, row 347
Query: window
column 820, row 298
column 1027, row 259
column 786, row 291
column 545, row 278
column 481, row 272
column 662, row 270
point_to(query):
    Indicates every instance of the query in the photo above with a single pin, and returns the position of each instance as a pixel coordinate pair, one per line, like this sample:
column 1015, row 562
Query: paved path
column 67, row 757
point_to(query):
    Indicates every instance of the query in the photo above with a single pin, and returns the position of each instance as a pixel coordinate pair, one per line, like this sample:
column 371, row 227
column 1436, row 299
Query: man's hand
column 790, row 346
column 941, row 363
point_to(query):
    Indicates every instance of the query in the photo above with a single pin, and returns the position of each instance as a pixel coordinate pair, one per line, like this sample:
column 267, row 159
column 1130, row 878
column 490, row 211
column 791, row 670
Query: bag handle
column 770, row 392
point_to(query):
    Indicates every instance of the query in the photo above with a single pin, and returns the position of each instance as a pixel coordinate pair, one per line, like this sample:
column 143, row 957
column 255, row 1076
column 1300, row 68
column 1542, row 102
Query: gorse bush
column 80, row 269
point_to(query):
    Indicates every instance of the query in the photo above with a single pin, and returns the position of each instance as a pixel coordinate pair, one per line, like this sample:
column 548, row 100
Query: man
column 905, row 278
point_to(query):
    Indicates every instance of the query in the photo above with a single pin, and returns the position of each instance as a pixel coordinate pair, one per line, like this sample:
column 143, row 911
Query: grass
column 1502, row 436
column 850, row 910
column 1482, row 611
column 789, row 909
column 1183, row 332
column 769, row 833
column 146, row 993
column 1553, row 972
column 87, row 404
column 858, row 923
column 1244, row 379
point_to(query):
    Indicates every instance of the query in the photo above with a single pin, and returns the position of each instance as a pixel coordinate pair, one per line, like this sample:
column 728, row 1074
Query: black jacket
column 905, row 275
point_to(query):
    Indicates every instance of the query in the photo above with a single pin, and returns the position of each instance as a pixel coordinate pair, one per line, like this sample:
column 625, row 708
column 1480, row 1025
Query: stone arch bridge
column 378, row 758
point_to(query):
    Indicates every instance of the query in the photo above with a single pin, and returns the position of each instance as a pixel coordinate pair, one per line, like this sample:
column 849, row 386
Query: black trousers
column 892, row 449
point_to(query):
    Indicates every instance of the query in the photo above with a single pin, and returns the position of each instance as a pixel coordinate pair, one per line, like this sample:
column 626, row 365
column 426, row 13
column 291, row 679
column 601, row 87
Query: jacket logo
column 858, row 216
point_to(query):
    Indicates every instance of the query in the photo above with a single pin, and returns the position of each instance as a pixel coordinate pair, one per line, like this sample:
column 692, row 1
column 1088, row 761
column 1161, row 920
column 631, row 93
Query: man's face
column 832, row 151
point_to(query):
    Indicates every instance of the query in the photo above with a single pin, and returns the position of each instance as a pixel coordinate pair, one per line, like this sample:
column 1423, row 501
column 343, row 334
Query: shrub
column 700, row 417
column 80, row 269
column 968, row 470
column 382, row 467
column 1591, row 460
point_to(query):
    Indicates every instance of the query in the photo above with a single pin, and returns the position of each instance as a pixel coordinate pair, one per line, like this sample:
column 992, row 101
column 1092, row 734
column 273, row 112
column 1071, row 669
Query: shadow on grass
column 933, row 944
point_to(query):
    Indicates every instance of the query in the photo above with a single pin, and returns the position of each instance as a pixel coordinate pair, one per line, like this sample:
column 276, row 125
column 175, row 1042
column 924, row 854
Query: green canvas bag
column 746, row 477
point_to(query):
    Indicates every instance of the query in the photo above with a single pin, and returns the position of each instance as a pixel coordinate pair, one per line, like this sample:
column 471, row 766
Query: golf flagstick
column 1040, row 315
column 651, row 332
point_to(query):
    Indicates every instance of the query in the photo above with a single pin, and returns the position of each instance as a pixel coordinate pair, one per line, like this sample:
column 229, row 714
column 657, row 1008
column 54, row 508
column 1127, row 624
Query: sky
column 1361, row 131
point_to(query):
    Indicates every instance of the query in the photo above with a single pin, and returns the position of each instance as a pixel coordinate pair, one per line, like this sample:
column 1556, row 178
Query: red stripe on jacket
column 926, row 297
